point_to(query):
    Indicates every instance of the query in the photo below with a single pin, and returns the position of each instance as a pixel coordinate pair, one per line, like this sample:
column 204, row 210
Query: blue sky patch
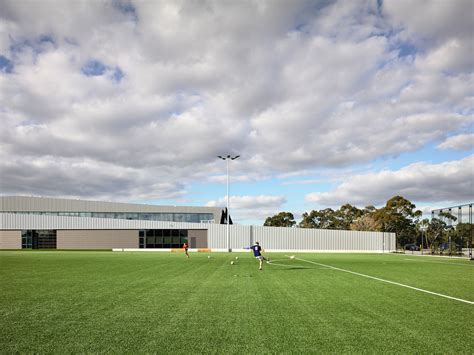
column 38, row 44
column 117, row 74
column 406, row 49
column 6, row 65
column 126, row 8
column 94, row 68
column 97, row 68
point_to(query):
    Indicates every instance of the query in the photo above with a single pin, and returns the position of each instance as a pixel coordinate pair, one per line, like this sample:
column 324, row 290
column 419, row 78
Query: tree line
column 399, row 215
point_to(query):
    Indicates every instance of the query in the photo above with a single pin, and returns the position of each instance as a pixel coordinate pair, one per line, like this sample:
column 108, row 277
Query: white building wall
column 271, row 238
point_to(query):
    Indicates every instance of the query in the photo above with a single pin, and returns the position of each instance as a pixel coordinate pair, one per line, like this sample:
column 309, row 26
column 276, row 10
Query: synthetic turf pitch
column 83, row 302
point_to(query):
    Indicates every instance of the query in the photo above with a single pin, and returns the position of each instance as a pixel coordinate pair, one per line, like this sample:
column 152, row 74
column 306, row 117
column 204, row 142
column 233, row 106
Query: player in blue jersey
column 257, row 252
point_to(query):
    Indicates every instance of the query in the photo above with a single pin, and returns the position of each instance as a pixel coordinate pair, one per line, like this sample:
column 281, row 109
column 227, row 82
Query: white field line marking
column 390, row 282
column 292, row 266
column 439, row 262
column 272, row 263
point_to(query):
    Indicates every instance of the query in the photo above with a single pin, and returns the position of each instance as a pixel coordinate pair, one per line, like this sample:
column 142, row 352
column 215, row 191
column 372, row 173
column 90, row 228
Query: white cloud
column 431, row 20
column 459, row 142
column 242, row 202
column 291, row 86
column 423, row 182
column 251, row 207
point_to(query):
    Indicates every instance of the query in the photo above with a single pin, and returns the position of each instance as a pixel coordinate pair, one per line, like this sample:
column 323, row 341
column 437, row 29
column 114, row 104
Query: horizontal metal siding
column 19, row 221
column 47, row 204
column 275, row 238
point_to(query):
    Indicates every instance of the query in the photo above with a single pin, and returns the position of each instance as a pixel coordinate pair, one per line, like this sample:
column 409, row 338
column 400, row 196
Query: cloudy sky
column 326, row 102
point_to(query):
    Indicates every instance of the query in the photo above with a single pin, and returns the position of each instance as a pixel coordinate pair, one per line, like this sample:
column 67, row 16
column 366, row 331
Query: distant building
column 77, row 224
column 51, row 223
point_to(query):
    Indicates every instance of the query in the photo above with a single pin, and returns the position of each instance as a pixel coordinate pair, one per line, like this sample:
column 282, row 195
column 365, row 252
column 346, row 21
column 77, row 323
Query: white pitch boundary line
column 387, row 281
column 290, row 266
column 286, row 265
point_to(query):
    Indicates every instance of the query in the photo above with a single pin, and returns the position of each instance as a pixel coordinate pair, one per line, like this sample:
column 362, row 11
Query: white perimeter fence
column 300, row 239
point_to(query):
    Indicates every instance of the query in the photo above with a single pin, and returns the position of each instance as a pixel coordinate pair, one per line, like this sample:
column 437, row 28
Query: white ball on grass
column 236, row 258
column 208, row 256
column 292, row 257
column 231, row 263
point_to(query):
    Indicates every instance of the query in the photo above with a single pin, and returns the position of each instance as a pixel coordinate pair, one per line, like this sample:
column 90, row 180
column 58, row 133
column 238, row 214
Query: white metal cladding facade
column 279, row 238
column 271, row 238
column 10, row 221
column 47, row 204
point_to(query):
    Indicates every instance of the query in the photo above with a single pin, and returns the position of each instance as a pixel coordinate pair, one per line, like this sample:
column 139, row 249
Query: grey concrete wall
column 10, row 239
column 201, row 237
column 96, row 239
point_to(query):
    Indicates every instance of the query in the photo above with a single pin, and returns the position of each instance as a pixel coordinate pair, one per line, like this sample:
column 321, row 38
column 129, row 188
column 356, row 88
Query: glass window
column 43, row 239
column 167, row 240
column 166, row 232
column 176, row 240
column 183, row 232
column 206, row 217
column 144, row 216
column 141, row 233
column 193, row 218
column 162, row 216
column 26, row 240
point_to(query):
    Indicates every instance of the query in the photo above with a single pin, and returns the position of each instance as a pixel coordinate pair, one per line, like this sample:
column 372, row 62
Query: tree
column 435, row 233
column 282, row 219
column 330, row 219
column 421, row 228
column 346, row 215
column 324, row 219
column 464, row 233
column 399, row 216
column 366, row 223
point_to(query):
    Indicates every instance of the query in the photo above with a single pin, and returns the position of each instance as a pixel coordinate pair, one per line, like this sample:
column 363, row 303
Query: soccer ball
column 236, row 258
column 231, row 263
column 208, row 256
column 292, row 257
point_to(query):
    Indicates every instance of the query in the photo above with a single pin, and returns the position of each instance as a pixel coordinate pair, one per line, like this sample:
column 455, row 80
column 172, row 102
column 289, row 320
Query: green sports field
column 83, row 302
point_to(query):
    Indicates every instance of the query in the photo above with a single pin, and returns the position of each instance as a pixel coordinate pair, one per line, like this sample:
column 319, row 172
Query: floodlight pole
column 423, row 229
column 227, row 158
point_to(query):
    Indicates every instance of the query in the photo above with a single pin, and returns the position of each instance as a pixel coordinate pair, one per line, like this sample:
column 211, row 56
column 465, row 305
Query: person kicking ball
column 257, row 252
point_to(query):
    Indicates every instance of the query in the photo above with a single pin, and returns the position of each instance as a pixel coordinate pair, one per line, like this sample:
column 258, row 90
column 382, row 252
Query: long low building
column 50, row 223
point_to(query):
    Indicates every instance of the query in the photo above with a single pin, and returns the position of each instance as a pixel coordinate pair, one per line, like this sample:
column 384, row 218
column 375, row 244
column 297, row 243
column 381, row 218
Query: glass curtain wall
column 169, row 217
column 163, row 238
